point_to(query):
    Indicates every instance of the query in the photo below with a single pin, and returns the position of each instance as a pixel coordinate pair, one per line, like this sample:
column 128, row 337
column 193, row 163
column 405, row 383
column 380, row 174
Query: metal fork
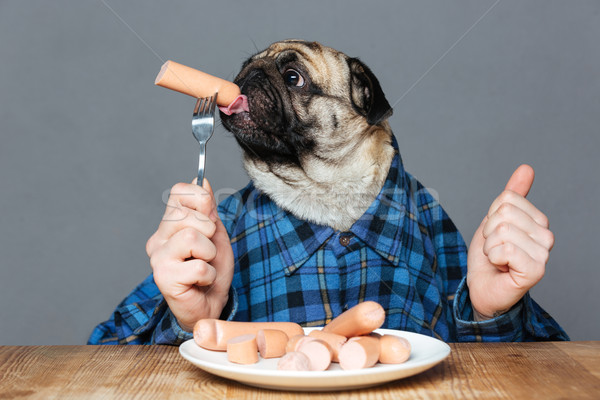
column 203, row 125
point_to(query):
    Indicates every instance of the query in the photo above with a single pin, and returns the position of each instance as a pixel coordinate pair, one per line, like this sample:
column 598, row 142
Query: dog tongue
column 240, row 104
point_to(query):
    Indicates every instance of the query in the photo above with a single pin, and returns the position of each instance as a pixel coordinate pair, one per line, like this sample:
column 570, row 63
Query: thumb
column 207, row 187
column 521, row 180
column 214, row 216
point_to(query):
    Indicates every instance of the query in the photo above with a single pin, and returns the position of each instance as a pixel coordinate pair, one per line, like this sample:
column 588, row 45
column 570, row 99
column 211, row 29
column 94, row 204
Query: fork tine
column 207, row 103
column 206, row 106
column 213, row 102
column 197, row 107
column 203, row 107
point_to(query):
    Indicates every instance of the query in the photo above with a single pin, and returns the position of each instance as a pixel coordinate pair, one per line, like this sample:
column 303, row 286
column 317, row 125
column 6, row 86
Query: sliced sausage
column 242, row 349
column 302, row 341
column 318, row 352
column 334, row 341
column 291, row 344
column 359, row 352
column 294, row 361
column 271, row 343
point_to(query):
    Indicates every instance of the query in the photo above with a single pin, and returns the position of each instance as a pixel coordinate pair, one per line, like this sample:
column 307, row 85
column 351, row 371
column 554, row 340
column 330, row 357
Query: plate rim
column 322, row 380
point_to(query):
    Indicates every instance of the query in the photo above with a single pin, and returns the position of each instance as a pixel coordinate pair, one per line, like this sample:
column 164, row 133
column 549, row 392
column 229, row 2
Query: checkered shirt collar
column 380, row 227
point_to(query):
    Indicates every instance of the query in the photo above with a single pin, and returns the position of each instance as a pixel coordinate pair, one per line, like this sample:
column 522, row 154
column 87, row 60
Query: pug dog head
column 316, row 137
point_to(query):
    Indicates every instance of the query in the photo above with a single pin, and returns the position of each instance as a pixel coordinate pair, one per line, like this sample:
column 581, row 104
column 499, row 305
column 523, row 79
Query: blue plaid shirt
column 404, row 253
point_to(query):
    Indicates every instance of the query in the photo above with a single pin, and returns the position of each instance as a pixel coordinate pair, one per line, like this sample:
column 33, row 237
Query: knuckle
column 178, row 188
column 486, row 247
column 507, row 196
column 175, row 213
column 509, row 249
column 549, row 238
column 150, row 246
column 539, row 271
column 211, row 228
column 202, row 267
column 212, row 252
column 504, row 209
column 189, row 235
column 544, row 221
column 205, row 201
column 503, row 229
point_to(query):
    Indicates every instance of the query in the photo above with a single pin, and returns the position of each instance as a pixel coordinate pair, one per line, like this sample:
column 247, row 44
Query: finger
column 207, row 186
column 510, row 197
column 521, row 180
column 213, row 215
column 187, row 243
column 192, row 272
column 524, row 271
column 190, row 196
column 510, row 214
column 507, row 233
column 178, row 218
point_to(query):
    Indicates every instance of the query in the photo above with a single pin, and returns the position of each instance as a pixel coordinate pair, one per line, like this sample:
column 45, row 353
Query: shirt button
column 345, row 240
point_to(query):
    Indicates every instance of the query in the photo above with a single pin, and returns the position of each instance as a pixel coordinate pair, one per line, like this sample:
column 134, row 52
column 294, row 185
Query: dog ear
column 366, row 93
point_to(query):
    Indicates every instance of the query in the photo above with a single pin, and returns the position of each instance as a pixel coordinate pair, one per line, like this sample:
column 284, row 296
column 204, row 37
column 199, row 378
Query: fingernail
column 213, row 216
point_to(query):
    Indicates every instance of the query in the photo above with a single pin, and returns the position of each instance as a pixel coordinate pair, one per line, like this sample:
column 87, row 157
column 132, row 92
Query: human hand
column 191, row 255
column 509, row 251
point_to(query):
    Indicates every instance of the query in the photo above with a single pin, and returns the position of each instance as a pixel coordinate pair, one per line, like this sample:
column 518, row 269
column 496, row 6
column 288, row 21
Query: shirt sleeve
column 525, row 321
column 143, row 317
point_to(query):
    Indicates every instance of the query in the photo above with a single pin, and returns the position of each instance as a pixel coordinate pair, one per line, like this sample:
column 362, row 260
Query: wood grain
column 473, row 371
column 585, row 353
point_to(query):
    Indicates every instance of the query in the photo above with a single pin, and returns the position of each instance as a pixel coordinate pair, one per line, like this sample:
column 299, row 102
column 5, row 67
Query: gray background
column 89, row 145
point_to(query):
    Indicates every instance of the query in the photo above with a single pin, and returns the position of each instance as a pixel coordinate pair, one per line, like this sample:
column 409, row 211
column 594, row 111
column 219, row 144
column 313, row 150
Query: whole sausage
column 393, row 349
column 213, row 334
column 361, row 319
column 196, row 83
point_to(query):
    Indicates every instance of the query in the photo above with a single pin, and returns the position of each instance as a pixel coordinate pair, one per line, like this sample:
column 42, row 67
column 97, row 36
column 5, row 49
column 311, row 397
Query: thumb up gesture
column 509, row 251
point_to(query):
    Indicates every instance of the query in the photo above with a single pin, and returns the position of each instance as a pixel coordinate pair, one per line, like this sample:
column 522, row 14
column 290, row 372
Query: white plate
column 426, row 352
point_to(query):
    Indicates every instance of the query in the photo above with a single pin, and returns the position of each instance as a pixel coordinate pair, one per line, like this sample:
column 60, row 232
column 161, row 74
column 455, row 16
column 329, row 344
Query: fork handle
column 201, row 163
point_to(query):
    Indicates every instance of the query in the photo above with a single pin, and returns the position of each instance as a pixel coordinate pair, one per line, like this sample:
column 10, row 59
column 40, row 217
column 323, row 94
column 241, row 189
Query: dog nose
column 255, row 75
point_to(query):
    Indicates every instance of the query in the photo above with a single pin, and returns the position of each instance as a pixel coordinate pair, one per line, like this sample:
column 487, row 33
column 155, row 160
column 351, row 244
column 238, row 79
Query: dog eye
column 293, row 78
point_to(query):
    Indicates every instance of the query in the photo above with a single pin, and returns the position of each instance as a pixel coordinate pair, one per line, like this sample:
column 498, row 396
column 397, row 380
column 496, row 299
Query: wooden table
column 553, row 370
